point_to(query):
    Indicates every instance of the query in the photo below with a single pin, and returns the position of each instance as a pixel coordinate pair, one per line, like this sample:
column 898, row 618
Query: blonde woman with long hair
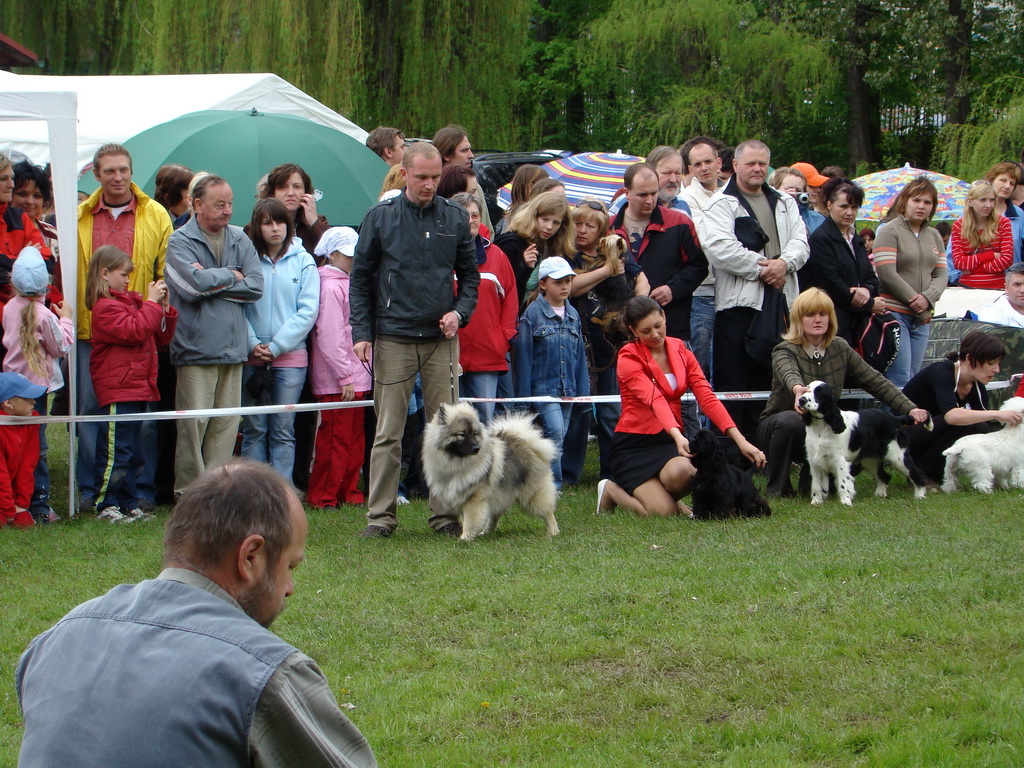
column 541, row 228
column 606, row 278
column 982, row 241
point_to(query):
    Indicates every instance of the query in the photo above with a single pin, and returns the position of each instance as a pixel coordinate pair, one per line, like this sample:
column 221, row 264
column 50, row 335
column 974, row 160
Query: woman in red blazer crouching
column 650, row 457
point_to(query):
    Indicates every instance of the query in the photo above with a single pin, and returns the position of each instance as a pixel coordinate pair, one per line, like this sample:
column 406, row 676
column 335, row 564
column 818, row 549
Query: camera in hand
column 803, row 198
column 6, row 265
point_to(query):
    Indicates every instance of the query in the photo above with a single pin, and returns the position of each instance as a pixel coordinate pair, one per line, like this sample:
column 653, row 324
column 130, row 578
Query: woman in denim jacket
column 549, row 355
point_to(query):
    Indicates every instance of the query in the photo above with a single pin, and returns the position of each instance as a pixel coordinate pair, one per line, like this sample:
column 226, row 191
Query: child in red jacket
column 19, row 449
column 125, row 334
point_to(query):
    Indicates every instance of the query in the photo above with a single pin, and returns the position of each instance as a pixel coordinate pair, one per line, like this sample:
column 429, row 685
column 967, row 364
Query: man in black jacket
column 405, row 308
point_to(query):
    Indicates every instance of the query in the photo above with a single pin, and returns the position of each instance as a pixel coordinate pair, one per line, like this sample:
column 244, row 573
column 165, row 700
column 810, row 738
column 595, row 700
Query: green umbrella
column 243, row 146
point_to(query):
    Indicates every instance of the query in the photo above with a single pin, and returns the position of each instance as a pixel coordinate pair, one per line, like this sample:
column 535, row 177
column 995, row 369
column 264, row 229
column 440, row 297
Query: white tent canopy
column 116, row 107
column 52, row 113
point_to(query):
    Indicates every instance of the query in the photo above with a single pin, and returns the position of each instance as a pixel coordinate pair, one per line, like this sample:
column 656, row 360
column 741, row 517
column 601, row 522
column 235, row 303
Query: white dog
column 990, row 459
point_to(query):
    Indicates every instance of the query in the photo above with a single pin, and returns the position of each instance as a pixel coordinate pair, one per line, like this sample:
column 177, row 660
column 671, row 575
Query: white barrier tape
column 260, row 410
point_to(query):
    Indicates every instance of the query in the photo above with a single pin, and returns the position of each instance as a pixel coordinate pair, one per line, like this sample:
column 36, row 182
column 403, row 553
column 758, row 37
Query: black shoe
column 452, row 529
column 375, row 532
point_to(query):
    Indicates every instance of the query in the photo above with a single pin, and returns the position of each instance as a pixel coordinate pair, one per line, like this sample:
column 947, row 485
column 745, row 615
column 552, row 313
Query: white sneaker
column 139, row 514
column 600, row 497
column 114, row 515
column 401, row 500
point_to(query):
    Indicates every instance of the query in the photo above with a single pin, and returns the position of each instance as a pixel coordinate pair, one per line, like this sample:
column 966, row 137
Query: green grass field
column 888, row 634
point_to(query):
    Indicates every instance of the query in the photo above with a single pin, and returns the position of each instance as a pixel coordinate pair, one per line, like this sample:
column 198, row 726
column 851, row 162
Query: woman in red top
column 16, row 230
column 650, row 458
column 982, row 241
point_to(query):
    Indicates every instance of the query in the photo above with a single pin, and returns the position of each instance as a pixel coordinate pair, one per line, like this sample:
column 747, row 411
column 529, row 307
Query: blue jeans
column 507, row 388
column 607, row 417
column 120, row 459
column 481, row 384
column 89, row 434
column 554, row 418
column 40, row 504
column 702, row 331
column 574, row 444
column 913, row 342
column 271, row 438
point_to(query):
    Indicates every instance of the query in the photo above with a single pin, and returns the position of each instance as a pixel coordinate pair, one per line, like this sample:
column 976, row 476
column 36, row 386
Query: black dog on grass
column 720, row 488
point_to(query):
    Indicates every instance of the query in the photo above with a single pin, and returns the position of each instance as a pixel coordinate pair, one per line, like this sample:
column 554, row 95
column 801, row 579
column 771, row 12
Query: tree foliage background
column 860, row 83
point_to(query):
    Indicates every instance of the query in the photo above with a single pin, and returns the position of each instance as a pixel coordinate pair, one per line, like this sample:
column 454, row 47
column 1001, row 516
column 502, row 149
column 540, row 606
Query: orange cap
column 814, row 179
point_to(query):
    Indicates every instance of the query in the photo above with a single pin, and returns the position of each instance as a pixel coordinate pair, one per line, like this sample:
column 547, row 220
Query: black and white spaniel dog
column 720, row 488
column 840, row 443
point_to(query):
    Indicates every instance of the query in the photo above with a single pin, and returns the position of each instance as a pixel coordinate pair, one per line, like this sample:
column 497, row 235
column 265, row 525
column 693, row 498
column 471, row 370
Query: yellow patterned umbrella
column 881, row 188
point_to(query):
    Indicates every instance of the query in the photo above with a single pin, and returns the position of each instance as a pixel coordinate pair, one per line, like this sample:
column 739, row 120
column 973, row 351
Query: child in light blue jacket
column 278, row 325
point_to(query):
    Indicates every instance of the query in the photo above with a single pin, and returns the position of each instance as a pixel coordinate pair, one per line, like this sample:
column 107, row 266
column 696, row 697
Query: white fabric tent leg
column 59, row 110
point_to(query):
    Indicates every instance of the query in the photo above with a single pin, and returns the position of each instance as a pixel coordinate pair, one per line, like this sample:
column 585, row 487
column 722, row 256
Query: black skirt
column 635, row 459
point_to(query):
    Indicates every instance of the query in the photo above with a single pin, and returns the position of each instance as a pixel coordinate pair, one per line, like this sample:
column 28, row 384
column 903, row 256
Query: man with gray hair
column 183, row 669
column 1008, row 309
column 212, row 273
column 668, row 164
column 773, row 247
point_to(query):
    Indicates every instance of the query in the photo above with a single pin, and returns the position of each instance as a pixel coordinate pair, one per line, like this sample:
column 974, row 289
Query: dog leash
column 451, row 374
column 414, row 374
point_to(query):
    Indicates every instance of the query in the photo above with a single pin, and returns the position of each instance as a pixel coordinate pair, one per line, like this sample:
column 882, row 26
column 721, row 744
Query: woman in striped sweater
column 982, row 240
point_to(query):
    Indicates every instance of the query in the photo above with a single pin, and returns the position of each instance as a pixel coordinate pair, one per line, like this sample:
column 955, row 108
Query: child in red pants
column 19, row 449
column 336, row 375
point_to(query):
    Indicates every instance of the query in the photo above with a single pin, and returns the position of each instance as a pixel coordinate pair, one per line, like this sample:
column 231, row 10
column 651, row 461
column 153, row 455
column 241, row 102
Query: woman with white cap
column 336, row 375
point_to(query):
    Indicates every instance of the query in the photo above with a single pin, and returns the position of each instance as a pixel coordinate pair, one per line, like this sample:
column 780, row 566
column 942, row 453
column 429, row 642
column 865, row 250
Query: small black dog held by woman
column 720, row 488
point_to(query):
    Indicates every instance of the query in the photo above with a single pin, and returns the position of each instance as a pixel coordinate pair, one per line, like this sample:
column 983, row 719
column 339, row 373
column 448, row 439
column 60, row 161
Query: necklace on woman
column 815, row 351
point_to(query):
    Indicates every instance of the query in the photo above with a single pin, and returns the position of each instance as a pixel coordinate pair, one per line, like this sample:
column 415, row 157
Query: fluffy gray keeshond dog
column 479, row 472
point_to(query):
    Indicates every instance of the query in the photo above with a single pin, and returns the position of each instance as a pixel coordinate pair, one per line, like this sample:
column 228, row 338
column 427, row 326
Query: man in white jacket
column 1008, row 309
column 742, row 275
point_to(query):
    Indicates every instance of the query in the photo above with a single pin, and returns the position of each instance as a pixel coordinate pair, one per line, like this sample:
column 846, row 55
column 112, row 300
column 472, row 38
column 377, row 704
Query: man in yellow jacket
column 122, row 215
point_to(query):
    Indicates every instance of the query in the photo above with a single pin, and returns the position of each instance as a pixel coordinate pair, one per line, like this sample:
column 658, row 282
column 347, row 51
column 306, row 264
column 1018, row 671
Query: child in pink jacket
column 36, row 338
column 336, row 375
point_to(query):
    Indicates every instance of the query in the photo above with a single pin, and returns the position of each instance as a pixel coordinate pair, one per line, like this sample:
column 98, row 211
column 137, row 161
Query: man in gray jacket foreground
column 181, row 670
column 212, row 272
column 405, row 308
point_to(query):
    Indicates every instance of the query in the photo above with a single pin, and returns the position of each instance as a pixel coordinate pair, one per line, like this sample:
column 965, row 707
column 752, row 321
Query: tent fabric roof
column 155, row 99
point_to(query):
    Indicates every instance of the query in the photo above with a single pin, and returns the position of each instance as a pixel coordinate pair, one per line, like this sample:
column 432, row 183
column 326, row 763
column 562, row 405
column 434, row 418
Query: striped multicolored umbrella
column 881, row 188
column 589, row 174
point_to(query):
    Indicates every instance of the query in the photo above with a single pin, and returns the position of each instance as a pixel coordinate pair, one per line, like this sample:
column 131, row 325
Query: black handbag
column 260, row 384
column 750, row 234
column 877, row 340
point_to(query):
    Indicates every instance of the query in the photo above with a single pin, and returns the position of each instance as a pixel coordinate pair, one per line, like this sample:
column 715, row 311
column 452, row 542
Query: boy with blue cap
column 19, row 449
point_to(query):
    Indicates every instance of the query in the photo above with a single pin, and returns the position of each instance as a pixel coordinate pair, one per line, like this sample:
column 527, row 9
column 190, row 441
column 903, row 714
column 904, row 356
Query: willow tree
column 659, row 71
column 410, row 63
